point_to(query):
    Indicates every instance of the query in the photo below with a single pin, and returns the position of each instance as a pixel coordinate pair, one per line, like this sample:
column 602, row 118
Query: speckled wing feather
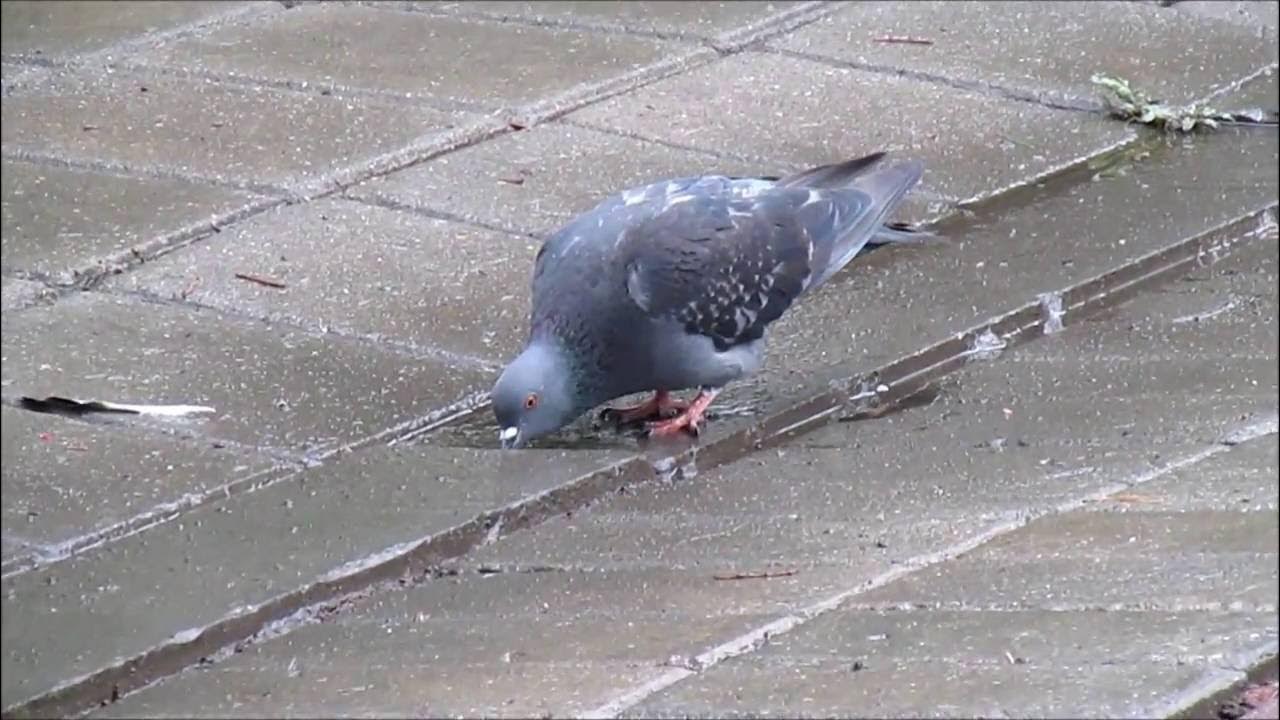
column 725, row 264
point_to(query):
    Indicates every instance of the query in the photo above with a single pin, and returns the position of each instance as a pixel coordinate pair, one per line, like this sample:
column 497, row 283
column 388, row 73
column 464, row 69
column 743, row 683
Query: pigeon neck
column 548, row 353
column 547, row 348
column 551, row 355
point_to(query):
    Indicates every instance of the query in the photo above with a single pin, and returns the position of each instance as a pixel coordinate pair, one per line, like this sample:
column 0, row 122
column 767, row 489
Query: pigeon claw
column 658, row 407
column 689, row 421
column 675, row 426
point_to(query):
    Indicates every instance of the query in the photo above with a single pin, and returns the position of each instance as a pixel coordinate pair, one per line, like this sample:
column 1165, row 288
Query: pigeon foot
column 658, row 407
column 689, row 421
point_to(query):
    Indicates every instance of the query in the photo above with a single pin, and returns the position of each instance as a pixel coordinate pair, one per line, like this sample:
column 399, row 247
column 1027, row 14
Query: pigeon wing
column 725, row 266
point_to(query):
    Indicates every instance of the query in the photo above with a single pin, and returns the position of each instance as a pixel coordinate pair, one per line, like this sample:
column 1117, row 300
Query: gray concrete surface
column 474, row 315
column 218, row 133
column 1105, row 612
column 387, row 169
column 61, row 224
column 412, row 53
column 793, row 115
column 707, row 20
column 971, row 45
column 279, row 389
column 65, row 29
column 535, row 181
column 67, row 483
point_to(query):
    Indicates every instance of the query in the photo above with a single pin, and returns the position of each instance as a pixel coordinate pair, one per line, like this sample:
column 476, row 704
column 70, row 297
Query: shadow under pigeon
column 476, row 430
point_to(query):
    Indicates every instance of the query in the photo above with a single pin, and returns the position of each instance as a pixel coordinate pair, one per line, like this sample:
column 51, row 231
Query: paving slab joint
column 391, row 202
column 121, row 169
column 45, row 555
column 42, row 66
column 755, row 34
column 1231, row 87
column 88, row 277
column 424, row 148
column 303, row 87
column 1047, row 98
column 406, row 348
column 526, row 20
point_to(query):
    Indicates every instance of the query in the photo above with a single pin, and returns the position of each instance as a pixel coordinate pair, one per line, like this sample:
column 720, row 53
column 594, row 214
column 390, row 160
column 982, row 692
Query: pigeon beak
column 509, row 437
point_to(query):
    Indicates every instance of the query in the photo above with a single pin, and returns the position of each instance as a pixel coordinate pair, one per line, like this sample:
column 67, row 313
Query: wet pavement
column 319, row 220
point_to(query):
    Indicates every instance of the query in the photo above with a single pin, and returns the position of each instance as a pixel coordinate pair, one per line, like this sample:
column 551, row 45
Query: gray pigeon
column 671, row 286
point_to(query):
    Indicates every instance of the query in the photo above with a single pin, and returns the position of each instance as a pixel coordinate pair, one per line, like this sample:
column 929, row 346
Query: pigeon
column 671, row 286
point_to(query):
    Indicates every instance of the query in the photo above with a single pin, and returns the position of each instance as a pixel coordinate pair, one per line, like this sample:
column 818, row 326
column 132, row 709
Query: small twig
column 756, row 575
column 903, row 40
column 1132, row 497
column 269, row 282
column 190, row 288
column 515, row 178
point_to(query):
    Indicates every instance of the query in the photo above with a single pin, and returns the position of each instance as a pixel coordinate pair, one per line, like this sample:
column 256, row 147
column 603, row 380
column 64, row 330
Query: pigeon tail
column 831, row 176
column 886, row 188
column 901, row 234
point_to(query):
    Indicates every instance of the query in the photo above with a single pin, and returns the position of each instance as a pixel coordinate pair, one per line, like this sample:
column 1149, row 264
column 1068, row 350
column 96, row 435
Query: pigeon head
column 535, row 395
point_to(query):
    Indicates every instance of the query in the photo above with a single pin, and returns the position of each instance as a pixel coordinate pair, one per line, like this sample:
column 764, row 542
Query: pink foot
column 661, row 405
column 690, row 421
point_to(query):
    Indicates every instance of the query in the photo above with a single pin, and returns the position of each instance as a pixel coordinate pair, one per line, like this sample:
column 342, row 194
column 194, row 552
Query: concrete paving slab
column 446, row 289
column 13, row 552
column 1261, row 16
column 394, row 687
column 270, row 386
column 530, row 643
column 703, row 20
column 544, row 643
column 1176, row 57
column 333, row 533
column 553, row 628
column 1007, row 652
column 63, row 28
column 809, row 112
column 61, row 223
column 895, row 638
column 831, row 511
column 1160, row 560
column 1244, row 481
column 833, row 688
column 18, row 293
column 208, row 131
column 535, row 181
column 1264, row 92
column 412, row 53
column 66, row 482
column 167, row 585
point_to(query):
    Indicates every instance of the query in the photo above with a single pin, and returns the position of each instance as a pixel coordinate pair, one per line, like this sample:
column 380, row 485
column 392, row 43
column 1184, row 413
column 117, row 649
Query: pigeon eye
column 531, row 401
